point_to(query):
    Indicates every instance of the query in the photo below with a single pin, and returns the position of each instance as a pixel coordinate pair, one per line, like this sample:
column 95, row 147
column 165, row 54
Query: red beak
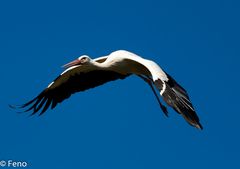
column 73, row 63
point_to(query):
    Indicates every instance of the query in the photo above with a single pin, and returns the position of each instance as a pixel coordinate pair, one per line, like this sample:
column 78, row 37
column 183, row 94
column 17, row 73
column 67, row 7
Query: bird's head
column 82, row 60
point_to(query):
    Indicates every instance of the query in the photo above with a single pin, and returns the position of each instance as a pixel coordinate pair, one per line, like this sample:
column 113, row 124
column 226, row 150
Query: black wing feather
column 176, row 97
column 67, row 84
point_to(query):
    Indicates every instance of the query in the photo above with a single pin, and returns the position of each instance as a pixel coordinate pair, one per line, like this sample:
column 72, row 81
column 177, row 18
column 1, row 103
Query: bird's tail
column 176, row 97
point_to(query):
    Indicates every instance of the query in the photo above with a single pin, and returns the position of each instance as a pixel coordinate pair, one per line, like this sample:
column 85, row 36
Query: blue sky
column 120, row 125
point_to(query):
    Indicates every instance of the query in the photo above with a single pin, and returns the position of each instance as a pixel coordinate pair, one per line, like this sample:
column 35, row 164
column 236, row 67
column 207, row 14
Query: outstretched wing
column 72, row 80
column 176, row 97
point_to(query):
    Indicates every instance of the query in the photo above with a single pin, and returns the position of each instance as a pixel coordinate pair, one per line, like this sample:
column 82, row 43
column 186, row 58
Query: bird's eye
column 84, row 60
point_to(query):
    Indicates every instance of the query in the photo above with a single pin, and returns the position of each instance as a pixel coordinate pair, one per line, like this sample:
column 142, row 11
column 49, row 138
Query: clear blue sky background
column 120, row 125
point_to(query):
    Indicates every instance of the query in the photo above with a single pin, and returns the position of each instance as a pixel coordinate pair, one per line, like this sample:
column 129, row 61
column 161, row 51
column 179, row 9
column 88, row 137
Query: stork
column 85, row 73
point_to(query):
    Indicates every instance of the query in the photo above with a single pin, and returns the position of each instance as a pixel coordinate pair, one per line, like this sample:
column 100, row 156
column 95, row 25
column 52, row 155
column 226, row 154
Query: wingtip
column 199, row 126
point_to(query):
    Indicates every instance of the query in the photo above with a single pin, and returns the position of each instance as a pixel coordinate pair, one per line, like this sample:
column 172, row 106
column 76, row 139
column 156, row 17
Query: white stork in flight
column 86, row 73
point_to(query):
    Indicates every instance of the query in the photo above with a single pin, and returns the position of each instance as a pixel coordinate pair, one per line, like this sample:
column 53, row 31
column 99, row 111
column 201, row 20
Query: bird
column 85, row 73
